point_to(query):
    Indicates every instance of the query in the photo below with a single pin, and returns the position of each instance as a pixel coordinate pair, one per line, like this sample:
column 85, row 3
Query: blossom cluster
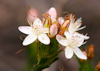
column 64, row 29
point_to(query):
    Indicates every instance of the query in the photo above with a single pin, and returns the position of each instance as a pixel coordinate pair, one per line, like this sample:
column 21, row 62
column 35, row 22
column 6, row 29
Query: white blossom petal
column 77, row 40
column 79, row 53
column 61, row 40
column 74, row 25
column 80, row 28
column 44, row 39
column 25, row 29
column 29, row 39
column 83, row 36
column 73, row 39
column 67, row 34
column 37, row 23
column 68, row 52
column 44, row 30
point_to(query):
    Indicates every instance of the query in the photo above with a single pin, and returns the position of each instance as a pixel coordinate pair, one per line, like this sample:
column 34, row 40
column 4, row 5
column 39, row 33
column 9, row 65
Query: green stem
column 37, row 68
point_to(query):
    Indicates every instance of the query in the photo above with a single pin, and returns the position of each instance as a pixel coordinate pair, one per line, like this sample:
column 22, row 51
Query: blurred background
column 13, row 13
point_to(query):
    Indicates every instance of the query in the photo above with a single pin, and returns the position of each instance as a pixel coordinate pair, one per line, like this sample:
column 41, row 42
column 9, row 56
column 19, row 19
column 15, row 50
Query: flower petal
column 29, row 39
column 44, row 30
column 25, row 29
column 61, row 40
column 77, row 40
column 74, row 39
column 37, row 23
column 67, row 34
column 74, row 25
column 44, row 39
column 83, row 36
column 68, row 52
column 79, row 53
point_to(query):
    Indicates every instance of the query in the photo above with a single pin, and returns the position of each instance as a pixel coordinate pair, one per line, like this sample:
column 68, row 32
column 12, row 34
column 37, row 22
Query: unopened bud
column 97, row 68
column 62, row 30
column 32, row 14
column 53, row 12
column 90, row 51
column 53, row 30
column 66, row 23
column 60, row 20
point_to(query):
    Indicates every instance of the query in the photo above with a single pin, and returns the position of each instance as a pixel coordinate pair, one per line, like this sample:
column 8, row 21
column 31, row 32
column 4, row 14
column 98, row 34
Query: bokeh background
column 13, row 13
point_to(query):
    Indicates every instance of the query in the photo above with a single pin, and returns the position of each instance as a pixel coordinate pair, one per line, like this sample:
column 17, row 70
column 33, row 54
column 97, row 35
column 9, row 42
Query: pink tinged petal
column 74, row 26
column 53, row 12
column 77, row 40
column 85, row 37
column 61, row 40
column 32, row 14
column 25, row 29
column 79, row 53
column 81, row 28
column 66, row 23
column 44, row 39
column 78, row 23
column 29, row 39
column 44, row 30
column 53, row 29
column 60, row 20
column 68, row 52
column 37, row 23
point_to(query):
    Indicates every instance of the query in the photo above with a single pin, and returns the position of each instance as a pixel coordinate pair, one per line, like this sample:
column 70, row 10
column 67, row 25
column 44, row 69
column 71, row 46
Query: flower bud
column 97, row 68
column 53, row 30
column 66, row 23
column 62, row 30
column 60, row 20
column 53, row 12
column 32, row 14
column 90, row 51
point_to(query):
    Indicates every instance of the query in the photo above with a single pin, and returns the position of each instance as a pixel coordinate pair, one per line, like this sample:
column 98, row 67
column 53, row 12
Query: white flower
column 74, row 25
column 36, row 30
column 72, row 42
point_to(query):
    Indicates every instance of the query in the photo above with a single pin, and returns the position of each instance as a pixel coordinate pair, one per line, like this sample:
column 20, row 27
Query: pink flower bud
column 60, row 20
column 53, row 29
column 32, row 14
column 66, row 23
column 52, row 12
